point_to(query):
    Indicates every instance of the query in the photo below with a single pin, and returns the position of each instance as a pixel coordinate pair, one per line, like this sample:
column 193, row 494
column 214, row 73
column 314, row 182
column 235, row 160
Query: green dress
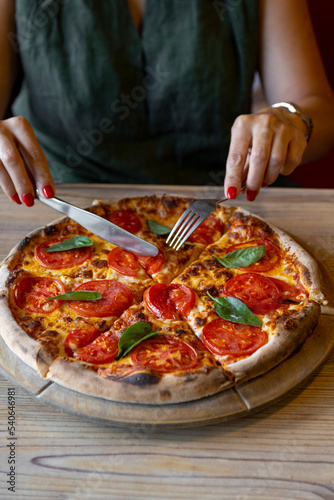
column 108, row 104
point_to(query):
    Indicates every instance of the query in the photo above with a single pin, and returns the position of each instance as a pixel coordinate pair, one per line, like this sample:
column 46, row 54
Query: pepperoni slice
column 124, row 262
column 116, row 297
column 79, row 338
column 62, row 259
column 209, row 231
column 151, row 264
column 182, row 297
column 233, row 339
column 30, row 294
column 165, row 301
column 258, row 292
column 126, row 219
column 102, row 350
column 268, row 262
column 164, row 355
column 157, row 301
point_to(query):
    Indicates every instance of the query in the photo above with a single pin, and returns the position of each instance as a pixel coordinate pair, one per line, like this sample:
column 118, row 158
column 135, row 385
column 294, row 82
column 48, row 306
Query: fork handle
column 243, row 186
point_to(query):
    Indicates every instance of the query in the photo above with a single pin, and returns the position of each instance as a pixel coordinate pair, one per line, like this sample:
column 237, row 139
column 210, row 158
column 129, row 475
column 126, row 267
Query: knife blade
column 101, row 227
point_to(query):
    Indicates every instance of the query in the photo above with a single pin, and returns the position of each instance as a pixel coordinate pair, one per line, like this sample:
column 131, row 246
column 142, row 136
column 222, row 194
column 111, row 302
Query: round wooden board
column 232, row 403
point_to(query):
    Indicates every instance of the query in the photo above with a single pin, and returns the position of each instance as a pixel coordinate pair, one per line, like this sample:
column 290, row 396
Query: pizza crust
column 290, row 333
column 306, row 264
column 25, row 347
column 169, row 389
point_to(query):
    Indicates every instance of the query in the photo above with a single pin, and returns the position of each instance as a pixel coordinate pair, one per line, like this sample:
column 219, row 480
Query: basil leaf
column 157, row 228
column 235, row 310
column 132, row 336
column 80, row 295
column 243, row 257
column 70, row 243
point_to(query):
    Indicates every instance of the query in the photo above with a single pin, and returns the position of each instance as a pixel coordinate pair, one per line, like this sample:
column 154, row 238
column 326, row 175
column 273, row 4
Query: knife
column 101, row 227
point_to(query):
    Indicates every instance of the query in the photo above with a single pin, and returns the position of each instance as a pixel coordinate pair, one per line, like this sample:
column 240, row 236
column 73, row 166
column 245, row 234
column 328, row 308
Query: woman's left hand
column 263, row 145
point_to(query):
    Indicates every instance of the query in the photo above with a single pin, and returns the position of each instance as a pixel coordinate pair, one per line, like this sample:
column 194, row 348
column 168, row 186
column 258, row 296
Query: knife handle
column 62, row 206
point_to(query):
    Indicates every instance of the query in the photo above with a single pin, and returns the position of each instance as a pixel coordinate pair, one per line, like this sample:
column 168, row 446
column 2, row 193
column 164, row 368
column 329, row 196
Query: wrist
column 296, row 110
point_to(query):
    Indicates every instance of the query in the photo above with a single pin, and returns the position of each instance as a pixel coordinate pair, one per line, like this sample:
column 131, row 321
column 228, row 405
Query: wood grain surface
column 283, row 452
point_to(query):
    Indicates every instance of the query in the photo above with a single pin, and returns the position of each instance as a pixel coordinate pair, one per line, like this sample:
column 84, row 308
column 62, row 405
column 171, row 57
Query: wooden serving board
column 232, row 403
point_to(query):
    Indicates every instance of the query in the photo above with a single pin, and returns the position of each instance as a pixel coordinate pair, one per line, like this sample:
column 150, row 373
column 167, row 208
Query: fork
column 191, row 218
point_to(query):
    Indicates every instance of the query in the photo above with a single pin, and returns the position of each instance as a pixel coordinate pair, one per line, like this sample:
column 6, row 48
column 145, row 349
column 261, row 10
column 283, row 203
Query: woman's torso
column 112, row 102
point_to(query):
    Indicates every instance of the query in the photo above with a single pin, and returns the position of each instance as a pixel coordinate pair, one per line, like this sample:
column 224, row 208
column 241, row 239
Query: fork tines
column 183, row 228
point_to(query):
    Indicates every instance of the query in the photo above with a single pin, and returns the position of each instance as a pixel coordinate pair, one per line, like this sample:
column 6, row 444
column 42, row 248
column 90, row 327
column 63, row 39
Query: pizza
column 238, row 298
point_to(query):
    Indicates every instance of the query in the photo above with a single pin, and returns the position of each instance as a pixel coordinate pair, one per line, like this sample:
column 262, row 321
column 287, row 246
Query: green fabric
column 110, row 105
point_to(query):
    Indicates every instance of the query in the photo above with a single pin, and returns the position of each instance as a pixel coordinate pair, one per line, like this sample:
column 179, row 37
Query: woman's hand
column 22, row 163
column 273, row 141
column 263, row 145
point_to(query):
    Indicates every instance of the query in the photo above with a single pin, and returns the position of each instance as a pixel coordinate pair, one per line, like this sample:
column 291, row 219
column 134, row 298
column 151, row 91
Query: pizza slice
column 257, row 267
column 32, row 276
column 169, row 366
column 152, row 218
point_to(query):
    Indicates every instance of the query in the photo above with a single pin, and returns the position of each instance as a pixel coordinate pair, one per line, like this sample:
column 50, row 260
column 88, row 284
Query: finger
column 259, row 159
column 239, row 145
column 13, row 163
column 278, row 156
column 294, row 156
column 245, row 171
column 7, row 185
column 34, row 156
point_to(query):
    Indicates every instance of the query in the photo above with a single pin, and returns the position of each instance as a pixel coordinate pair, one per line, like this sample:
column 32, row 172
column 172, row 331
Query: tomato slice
column 225, row 338
column 126, row 219
column 62, row 259
column 209, row 231
column 30, row 294
column 258, row 292
column 289, row 292
column 124, row 262
column 165, row 301
column 116, row 297
column 79, row 338
column 156, row 299
column 268, row 262
column 102, row 350
column 164, row 355
column 182, row 297
column 130, row 264
column 152, row 264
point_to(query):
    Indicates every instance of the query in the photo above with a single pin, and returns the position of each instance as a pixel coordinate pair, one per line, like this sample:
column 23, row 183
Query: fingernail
column 232, row 192
column 48, row 191
column 16, row 198
column 264, row 184
column 251, row 195
column 28, row 199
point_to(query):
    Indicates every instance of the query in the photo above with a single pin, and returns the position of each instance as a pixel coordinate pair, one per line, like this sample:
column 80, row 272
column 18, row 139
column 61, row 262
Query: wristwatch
column 293, row 108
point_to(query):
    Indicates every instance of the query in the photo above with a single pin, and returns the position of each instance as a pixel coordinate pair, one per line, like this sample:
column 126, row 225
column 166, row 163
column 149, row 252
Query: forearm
column 321, row 110
column 292, row 70
column 8, row 56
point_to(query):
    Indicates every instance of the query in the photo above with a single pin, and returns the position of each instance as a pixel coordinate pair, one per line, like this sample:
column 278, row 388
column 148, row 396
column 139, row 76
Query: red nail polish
column 16, row 198
column 264, row 184
column 251, row 195
column 48, row 191
column 28, row 199
column 232, row 192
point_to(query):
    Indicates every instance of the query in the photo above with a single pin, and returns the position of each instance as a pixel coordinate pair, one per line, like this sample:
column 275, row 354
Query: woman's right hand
column 23, row 165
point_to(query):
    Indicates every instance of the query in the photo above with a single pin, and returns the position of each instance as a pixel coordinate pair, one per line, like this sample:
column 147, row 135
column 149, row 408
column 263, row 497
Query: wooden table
column 283, row 452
